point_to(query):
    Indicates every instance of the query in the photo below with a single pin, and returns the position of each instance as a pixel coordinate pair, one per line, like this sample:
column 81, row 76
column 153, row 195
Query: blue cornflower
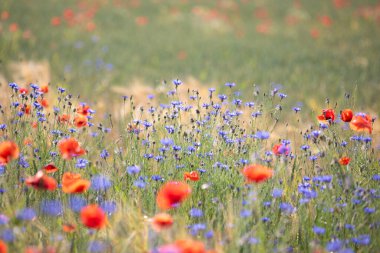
column 319, row 230
column 253, row 240
column 104, row 154
column 334, row 246
column 96, row 247
column 51, row 207
column 7, row 235
column 262, row 135
column 369, row 210
column 167, row 142
column 139, row 183
column 195, row 228
column 134, row 169
column 100, row 183
column 61, row 90
column 362, row 240
column 3, row 126
column 277, row 193
column 282, row 95
column 177, row 82
column 76, row 203
column 245, row 213
column 3, row 219
column 195, row 212
column 157, row 178
column 26, row 214
column 230, row 85
column 81, row 163
column 286, row 208
column 109, row 207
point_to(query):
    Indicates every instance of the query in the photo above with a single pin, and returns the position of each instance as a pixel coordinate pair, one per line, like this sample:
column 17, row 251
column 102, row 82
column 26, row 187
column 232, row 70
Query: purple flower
column 134, row 169
column 26, row 214
column 51, row 207
column 277, row 193
column 100, row 183
column 76, row 203
column 195, row 212
column 319, row 230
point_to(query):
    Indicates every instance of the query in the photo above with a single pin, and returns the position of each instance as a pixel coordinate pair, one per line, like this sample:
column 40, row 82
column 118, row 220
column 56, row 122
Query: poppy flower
column 23, row 91
column 83, row 110
column 34, row 124
column 25, row 108
column 70, row 148
column 325, row 20
column 5, row 15
column 68, row 228
column 73, row 183
column 281, row 149
column 257, row 173
column 55, row 21
column 8, row 151
column 193, row 176
column 80, row 121
column 162, row 221
column 43, row 102
column 93, row 216
column 327, row 114
column 171, row 194
column 190, row 246
column 13, row 27
column 344, row 160
column 346, row 115
column 3, row 247
column 41, row 182
column 361, row 122
column 44, row 89
column 64, row 118
column 50, row 168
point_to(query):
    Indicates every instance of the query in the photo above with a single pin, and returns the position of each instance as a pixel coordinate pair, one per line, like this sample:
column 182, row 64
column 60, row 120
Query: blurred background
column 313, row 50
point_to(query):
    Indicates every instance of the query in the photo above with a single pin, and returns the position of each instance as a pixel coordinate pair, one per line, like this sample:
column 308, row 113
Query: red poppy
column 314, row 33
column 171, row 194
column 68, row 228
column 190, row 246
column 83, row 110
column 344, row 160
column 41, row 182
column 142, row 20
column 5, row 15
column 50, row 168
column 73, row 183
column 43, row 102
column 346, row 115
column 361, row 122
column 162, row 221
column 25, row 108
column 281, row 149
column 93, row 216
column 34, row 124
column 8, row 151
column 55, row 21
column 325, row 20
column 193, row 176
column 80, row 121
column 44, row 89
column 3, row 247
column 70, row 148
column 33, row 249
column 64, row 118
column 257, row 173
column 13, row 27
column 327, row 114
column 23, row 91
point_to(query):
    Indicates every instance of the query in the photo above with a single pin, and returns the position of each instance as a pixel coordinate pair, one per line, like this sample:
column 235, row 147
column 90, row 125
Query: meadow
column 189, row 126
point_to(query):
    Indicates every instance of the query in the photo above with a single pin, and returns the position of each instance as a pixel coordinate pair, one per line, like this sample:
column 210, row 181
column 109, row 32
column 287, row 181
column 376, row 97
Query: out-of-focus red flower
column 25, row 108
column 50, row 168
column 41, row 182
column 68, row 14
column 261, row 13
column 43, row 102
column 344, row 160
column 13, row 27
column 361, row 122
column 70, row 148
column 80, row 121
column 190, row 246
column 314, row 33
column 90, row 26
column 4, row 15
column 182, row 55
column 339, row 4
column 257, row 173
column 346, row 115
column 83, row 110
column 44, row 89
column 55, row 21
column 3, row 247
column 64, row 118
column 68, row 228
column 33, row 249
column 193, row 176
column 172, row 194
column 142, row 20
column 73, row 183
column 34, row 124
column 325, row 20
column 264, row 27
column 8, row 151
column 327, row 114
column 93, row 217
column 162, row 221
column 281, row 149
column 23, row 90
